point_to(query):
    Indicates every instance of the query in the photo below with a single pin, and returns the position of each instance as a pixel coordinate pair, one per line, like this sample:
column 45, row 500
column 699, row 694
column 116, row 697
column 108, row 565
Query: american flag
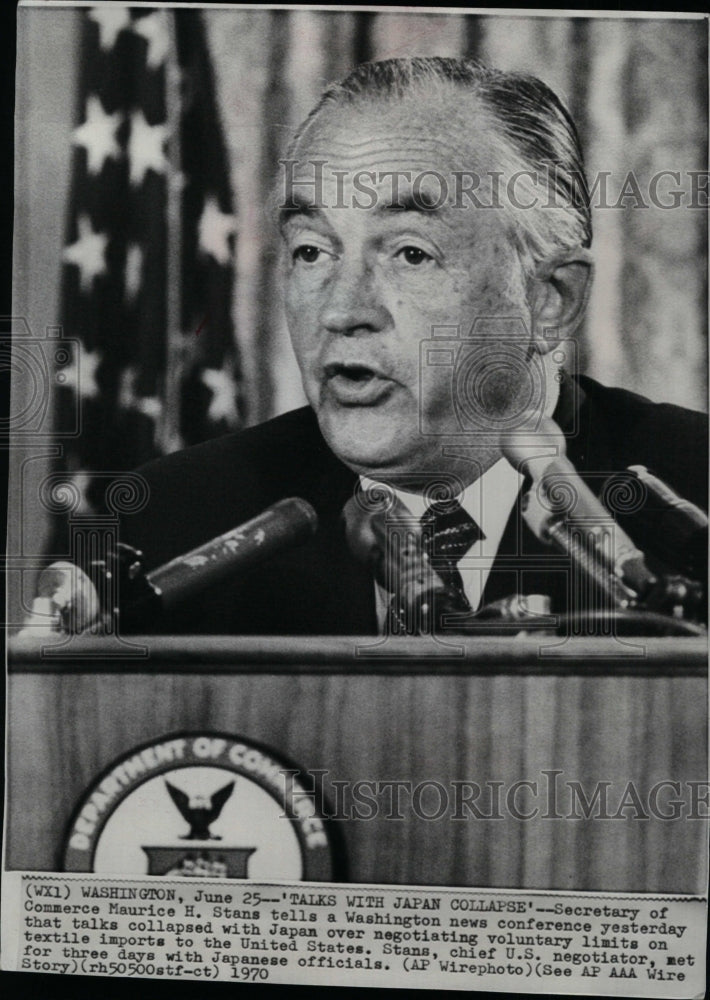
column 148, row 261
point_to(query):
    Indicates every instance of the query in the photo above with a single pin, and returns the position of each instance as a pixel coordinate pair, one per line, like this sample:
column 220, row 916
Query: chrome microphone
column 679, row 528
column 561, row 510
column 67, row 601
column 390, row 544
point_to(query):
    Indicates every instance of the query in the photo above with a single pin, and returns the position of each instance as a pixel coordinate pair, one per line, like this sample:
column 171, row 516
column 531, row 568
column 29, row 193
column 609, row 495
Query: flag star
column 224, row 394
column 98, row 134
column 145, row 148
column 128, row 399
column 150, row 406
column 213, row 231
column 134, row 265
column 88, row 253
column 111, row 21
column 154, row 29
column 80, row 373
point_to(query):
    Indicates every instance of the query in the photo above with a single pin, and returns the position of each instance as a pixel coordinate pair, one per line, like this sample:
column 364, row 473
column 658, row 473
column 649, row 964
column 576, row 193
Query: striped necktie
column 448, row 534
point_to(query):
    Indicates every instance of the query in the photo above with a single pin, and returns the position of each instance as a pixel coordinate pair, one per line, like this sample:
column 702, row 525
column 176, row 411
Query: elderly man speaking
column 436, row 233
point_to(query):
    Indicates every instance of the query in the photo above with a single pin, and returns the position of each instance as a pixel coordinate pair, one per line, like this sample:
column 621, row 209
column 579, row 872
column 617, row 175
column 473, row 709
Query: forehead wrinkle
column 363, row 167
column 452, row 123
column 367, row 124
column 415, row 142
column 440, row 158
column 403, row 176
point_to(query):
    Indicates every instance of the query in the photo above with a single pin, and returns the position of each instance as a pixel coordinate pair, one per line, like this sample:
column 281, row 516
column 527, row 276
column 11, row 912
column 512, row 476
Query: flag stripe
column 147, row 269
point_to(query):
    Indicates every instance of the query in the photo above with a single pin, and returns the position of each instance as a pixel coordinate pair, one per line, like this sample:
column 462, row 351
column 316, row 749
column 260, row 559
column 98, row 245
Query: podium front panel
column 539, row 741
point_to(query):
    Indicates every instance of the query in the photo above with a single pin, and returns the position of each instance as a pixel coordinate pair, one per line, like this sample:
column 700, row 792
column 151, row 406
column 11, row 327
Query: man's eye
column 414, row 255
column 308, row 254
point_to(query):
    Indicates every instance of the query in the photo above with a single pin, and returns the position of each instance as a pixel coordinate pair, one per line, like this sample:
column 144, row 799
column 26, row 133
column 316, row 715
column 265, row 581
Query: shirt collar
column 488, row 500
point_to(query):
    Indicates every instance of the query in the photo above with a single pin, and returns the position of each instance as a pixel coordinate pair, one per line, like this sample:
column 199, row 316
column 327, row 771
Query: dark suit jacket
column 318, row 587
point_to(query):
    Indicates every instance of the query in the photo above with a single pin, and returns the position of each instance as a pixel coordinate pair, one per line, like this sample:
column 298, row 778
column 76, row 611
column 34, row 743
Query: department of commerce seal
column 202, row 805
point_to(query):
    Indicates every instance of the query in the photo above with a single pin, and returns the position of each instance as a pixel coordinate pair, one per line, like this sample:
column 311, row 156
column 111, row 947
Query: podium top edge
column 224, row 654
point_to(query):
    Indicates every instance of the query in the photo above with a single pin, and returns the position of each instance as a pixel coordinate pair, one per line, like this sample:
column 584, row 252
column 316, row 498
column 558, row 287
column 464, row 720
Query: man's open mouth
column 356, row 384
column 354, row 372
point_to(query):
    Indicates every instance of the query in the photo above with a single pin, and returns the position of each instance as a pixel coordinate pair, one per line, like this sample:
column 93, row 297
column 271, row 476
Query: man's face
column 368, row 283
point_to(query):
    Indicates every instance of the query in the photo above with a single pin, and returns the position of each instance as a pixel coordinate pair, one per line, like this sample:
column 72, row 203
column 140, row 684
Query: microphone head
column 301, row 513
column 530, row 451
column 366, row 529
column 72, row 597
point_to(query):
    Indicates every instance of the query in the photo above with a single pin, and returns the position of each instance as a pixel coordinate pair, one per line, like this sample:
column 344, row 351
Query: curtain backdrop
column 636, row 89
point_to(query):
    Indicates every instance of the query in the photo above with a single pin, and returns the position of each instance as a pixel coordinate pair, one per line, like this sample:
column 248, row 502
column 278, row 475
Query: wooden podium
column 493, row 711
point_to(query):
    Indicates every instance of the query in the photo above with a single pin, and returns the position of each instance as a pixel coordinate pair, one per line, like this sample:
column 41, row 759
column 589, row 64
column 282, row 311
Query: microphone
column 69, row 596
column 390, row 544
column 680, row 529
column 67, row 601
column 559, row 507
column 284, row 524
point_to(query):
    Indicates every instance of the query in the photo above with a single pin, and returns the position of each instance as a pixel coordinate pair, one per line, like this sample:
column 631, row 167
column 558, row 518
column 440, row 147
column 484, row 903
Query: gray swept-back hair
column 532, row 134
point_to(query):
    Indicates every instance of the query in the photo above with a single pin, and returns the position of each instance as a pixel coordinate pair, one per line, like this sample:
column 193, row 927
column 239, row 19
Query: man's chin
column 368, row 446
column 381, row 451
column 371, row 461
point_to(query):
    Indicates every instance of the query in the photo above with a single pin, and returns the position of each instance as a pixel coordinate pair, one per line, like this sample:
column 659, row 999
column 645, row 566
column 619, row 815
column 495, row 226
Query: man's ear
column 558, row 297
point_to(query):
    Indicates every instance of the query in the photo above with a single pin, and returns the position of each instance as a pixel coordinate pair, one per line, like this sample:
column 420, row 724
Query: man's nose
column 353, row 302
